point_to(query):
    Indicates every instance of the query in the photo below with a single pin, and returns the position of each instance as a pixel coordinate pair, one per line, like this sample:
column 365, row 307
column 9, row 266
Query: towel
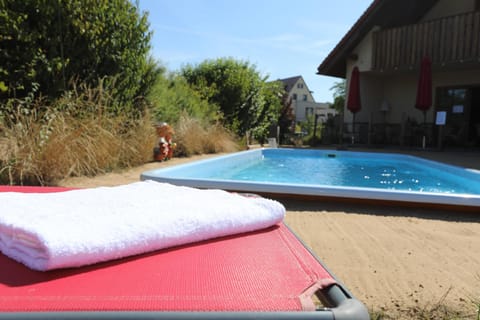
column 47, row 231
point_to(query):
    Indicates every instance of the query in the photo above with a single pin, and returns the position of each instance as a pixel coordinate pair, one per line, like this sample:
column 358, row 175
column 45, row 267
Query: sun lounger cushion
column 80, row 227
column 263, row 270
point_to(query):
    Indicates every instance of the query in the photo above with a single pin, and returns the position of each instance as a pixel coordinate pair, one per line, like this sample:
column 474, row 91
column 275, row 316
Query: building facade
column 387, row 45
column 303, row 103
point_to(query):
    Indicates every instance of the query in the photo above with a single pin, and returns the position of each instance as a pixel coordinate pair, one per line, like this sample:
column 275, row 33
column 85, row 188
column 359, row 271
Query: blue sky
column 281, row 38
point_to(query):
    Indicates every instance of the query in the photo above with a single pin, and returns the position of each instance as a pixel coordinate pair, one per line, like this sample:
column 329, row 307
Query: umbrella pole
column 424, row 142
column 353, row 129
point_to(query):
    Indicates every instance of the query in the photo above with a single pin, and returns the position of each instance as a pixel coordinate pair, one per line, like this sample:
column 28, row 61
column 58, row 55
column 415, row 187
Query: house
column 387, row 45
column 303, row 103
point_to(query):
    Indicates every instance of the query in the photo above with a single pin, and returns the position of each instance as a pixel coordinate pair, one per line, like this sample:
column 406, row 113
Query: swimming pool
column 326, row 173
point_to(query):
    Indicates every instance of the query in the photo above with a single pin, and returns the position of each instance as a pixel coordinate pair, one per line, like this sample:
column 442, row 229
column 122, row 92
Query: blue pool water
column 330, row 173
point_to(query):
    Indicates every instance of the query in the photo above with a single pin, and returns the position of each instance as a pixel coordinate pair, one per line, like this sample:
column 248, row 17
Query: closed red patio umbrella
column 424, row 92
column 424, row 89
column 354, row 103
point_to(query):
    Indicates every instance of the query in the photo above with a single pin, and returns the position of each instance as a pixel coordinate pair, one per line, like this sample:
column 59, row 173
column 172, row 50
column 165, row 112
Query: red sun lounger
column 267, row 274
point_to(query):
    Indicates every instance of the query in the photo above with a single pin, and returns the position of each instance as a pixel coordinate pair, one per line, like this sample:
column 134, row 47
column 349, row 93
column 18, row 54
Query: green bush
column 48, row 44
column 171, row 96
column 246, row 101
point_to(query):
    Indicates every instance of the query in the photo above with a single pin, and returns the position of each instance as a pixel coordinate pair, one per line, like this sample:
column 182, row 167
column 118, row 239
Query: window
column 294, row 97
column 452, row 100
column 300, row 86
column 455, row 102
column 304, row 97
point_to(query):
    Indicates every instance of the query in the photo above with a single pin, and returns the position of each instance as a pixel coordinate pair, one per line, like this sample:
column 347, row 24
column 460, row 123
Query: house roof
column 288, row 83
column 381, row 13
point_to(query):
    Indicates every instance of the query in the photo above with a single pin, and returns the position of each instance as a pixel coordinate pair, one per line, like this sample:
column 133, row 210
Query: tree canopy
column 172, row 96
column 51, row 47
column 339, row 95
column 48, row 44
column 246, row 101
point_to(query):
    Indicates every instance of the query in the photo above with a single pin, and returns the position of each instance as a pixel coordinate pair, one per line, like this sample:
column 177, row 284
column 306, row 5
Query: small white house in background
column 303, row 103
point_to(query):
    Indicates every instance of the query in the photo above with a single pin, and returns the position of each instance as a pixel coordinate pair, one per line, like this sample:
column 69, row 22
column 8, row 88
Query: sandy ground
column 391, row 259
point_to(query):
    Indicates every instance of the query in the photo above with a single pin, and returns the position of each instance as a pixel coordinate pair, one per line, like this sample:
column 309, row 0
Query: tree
column 339, row 95
column 237, row 88
column 286, row 120
column 268, row 112
column 172, row 96
column 47, row 44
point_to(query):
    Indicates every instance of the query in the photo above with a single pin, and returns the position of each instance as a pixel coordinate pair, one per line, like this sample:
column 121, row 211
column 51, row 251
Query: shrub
column 45, row 44
column 171, row 96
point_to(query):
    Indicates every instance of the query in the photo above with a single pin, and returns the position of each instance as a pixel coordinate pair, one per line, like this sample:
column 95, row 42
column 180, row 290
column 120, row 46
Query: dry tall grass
column 77, row 136
column 194, row 138
column 42, row 147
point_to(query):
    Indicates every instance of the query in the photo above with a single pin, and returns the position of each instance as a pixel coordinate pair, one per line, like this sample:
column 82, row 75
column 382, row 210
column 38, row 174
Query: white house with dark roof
column 387, row 45
column 303, row 103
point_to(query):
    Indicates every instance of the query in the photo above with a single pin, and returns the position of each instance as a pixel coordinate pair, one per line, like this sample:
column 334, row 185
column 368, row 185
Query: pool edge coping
column 463, row 202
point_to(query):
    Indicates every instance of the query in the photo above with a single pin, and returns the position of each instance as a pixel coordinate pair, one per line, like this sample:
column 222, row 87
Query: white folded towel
column 80, row 227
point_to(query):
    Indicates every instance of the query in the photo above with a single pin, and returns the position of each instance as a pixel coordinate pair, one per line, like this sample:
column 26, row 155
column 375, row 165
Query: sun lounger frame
column 339, row 303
